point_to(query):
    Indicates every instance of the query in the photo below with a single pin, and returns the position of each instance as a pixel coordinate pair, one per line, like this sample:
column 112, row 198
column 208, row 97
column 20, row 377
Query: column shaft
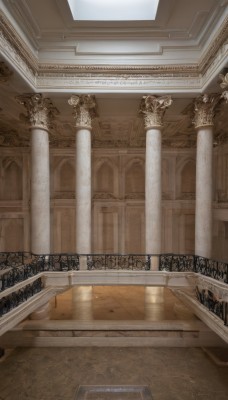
column 40, row 192
column 153, row 191
column 83, row 191
column 203, row 217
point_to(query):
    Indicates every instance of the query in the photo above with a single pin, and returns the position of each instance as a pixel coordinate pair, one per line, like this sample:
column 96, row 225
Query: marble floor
column 118, row 303
column 56, row 373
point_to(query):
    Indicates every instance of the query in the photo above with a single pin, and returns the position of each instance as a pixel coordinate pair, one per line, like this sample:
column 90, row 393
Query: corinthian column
column 153, row 109
column 84, row 109
column 39, row 114
column 205, row 106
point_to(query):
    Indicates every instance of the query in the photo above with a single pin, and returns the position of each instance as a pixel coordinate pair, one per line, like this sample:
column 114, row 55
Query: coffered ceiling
column 182, row 53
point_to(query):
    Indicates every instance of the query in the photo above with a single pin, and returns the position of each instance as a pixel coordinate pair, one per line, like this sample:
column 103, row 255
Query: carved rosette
column 84, row 110
column 154, row 109
column 5, row 72
column 205, row 107
column 40, row 110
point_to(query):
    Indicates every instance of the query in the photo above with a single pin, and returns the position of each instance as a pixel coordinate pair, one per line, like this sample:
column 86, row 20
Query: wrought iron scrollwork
column 212, row 303
column 133, row 262
column 56, row 262
column 215, row 269
column 176, row 263
column 16, row 298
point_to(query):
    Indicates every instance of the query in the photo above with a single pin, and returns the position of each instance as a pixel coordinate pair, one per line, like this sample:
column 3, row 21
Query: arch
column 105, row 178
column 186, row 179
column 64, row 177
column 12, row 185
column 135, row 178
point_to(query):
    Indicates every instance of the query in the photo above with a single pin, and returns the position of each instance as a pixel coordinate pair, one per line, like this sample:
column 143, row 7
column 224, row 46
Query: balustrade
column 18, row 267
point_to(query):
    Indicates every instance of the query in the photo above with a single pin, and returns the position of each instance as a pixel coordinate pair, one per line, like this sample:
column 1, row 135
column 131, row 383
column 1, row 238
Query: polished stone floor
column 56, row 373
column 118, row 303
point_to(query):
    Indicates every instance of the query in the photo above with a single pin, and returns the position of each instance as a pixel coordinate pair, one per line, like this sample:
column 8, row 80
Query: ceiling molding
column 39, row 69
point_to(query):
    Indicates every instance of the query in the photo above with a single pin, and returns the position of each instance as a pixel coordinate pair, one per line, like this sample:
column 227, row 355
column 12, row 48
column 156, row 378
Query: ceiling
column 181, row 53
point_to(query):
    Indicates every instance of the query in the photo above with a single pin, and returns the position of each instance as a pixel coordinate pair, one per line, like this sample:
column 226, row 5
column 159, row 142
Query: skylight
column 113, row 10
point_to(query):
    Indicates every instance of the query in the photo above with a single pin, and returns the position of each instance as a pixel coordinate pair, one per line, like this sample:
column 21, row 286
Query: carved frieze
column 84, row 109
column 40, row 110
column 153, row 108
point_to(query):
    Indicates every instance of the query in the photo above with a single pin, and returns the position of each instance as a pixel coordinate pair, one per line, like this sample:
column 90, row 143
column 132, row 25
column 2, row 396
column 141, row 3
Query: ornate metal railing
column 13, row 259
column 215, row 269
column 176, row 262
column 16, row 298
column 133, row 262
column 56, row 262
column 19, row 266
column 213, row 304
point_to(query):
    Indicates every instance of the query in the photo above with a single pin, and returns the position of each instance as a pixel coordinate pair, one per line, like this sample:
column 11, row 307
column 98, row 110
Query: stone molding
column 84, row 110
column 205, row 107
column 40, row 110
column 15, row 47
column 153, row 108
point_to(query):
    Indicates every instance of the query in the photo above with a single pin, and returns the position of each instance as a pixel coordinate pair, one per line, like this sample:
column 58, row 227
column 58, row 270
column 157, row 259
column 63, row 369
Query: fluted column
column 84, row 110
column 204, row 114
column 39, row 114
column 153, row 109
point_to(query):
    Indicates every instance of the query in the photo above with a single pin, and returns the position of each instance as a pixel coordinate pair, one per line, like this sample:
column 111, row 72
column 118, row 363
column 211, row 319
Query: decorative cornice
column 5, row 72
column 40, row 110
column 216, row 44
column 41, row 69
column 205, row 107
column 10, row 34
column 153, row 108
column 84, row 109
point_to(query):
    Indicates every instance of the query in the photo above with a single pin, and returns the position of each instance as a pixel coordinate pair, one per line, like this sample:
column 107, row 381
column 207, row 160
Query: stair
column 56, row 333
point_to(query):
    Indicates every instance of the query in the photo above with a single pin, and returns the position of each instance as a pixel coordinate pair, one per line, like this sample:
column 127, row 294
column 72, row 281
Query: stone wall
column 118, row 200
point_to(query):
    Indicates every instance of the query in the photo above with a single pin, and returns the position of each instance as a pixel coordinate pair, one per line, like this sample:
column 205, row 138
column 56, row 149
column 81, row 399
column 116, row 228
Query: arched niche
column 105, row 179
column 186, row 180
column 166, row 179
column 12, row 186
column 64, row 179
column 135, row 179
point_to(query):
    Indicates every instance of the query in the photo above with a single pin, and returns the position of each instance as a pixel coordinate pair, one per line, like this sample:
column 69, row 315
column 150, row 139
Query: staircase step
column 110, row 333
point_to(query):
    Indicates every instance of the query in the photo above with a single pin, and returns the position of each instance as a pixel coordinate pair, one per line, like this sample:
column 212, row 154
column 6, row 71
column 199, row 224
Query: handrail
column 17, row 267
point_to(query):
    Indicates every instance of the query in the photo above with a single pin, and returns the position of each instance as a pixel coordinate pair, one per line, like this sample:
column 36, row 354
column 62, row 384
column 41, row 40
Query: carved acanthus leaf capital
column 5, row 72
column 224, row 83
column 40, row 110
column 205, row 107
column 154, row 109
column 84, row 110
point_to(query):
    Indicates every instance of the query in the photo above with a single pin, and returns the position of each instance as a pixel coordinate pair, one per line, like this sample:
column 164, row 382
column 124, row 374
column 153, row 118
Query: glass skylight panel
column 113, row 10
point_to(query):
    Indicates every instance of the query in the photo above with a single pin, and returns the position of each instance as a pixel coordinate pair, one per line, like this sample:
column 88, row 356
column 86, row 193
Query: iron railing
column 207, row 298
column 17, row 267
column 133, row 262
column 18, row 297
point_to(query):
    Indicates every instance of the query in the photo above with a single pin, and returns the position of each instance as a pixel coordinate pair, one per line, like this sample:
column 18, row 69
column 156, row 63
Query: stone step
column 110, row 333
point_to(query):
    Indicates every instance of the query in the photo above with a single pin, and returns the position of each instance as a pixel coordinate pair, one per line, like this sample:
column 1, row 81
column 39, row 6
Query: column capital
column 84, row 110
column 40, row 110
column 205, row 106
column 154, row 108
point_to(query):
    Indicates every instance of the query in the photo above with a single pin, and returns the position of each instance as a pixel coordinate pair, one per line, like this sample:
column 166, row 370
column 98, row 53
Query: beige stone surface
column 55, row 374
